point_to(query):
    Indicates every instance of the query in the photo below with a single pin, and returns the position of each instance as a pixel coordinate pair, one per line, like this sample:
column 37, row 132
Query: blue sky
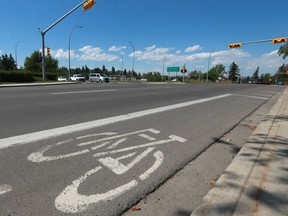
column 179, row 31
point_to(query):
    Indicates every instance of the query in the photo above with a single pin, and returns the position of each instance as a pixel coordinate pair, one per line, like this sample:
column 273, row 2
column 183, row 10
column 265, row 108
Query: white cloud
column 193, row 48
column 273, row 53
column 117, row 49
column 95, row 54
column 269, row 61
column 152, row 53
column 61, row 54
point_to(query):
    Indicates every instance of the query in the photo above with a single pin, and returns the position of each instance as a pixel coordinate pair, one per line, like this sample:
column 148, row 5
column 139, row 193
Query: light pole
column 16, row 52
column 209, row 63
column 133, row 56
column 122, row 65
column 163, row 69
column 69, row 48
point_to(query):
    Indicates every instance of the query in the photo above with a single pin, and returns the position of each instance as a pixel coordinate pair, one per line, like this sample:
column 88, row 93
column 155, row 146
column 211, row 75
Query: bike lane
column 104, row 170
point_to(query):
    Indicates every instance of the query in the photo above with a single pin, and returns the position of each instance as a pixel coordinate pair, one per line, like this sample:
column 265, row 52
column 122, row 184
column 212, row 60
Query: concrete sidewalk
column 256, row 182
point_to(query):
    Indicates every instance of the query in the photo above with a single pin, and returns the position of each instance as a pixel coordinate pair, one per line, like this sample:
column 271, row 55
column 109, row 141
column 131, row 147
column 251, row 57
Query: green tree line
column 32, row 71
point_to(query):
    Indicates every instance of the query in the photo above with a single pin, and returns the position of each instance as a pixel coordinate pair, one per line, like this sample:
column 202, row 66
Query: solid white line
column 249, row 96
column 42, row 135
column 81, row 92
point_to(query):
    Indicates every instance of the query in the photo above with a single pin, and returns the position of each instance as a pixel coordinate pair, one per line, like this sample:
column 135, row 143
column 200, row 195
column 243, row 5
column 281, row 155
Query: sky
column 155, row 33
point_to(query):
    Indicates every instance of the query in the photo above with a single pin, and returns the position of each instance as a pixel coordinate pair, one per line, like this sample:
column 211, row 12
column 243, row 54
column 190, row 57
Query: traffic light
column 183, row 70
column 234, row 45
column 279, row 40
column 88, row 4
column 48, row 51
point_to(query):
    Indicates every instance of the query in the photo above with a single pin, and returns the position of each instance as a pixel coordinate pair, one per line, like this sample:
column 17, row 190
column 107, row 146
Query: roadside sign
column 173, row 69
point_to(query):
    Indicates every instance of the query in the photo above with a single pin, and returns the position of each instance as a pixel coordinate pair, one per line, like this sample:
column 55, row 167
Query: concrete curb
column 35, row 84
column 251, row 181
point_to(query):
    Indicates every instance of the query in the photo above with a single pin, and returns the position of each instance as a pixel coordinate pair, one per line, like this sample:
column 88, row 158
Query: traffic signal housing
column 234, row 45
column 279, row 40
column 48, row 51
column 88, row 4
column 183, row 70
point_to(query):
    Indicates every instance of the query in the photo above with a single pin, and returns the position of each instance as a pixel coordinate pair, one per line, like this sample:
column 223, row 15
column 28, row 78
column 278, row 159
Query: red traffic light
column 279, row 40
column 234, row 45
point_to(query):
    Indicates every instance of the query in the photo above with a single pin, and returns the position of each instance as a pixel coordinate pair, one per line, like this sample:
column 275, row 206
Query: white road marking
column 119, row 168
column 117, row 143
column 159, row 142
column 147, row 137
column 70, row 201
column 151, row 130
column 38, row 156
column 5, row 189
column 159, row 160
column 249, row 96
column 45, row 134
column 82, row 92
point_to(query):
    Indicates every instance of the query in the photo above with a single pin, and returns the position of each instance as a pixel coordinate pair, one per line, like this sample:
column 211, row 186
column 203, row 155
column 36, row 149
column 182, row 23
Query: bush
column 15, row 76
column 51, row 76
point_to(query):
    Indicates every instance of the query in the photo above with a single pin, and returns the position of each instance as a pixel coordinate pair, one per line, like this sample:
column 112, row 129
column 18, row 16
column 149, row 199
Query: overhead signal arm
column 274, row 41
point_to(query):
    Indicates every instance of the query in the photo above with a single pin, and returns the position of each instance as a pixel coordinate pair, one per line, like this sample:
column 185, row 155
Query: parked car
column 98, row 77
column 280, row 83
column 77, row 77
column 62, row 79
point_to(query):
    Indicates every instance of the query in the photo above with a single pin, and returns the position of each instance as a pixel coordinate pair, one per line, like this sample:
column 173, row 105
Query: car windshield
column 103, row 75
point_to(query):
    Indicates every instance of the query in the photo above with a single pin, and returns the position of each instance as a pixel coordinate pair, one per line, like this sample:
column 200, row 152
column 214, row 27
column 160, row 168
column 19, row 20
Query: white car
column 98, row 77
column 77, row 77
column 62, row 79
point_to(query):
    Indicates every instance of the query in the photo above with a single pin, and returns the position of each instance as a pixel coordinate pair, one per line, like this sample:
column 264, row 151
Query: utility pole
column 86, row 5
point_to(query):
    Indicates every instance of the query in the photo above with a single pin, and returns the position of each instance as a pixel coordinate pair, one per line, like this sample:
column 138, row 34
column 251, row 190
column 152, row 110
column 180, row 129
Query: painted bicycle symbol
column 69, row 200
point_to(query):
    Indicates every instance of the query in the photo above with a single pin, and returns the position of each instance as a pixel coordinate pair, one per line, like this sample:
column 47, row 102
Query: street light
column 133, row 57
column 16, row 52
column 163, row 69
column 69, row 47
column 209, row 63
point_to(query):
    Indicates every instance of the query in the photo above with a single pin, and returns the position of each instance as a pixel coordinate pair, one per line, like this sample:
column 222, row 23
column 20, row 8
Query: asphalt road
column 95, row 149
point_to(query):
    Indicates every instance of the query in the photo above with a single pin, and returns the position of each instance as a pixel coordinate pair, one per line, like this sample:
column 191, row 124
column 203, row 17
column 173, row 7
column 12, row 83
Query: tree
column 7, row 62
column 34, row 63
column 283, row 50
column 104, row 70
column 153, row 77
column 282, row 75
column 194, row 75
column 113, row 71
column 216, row 72
column 256, row 75
column 233, row 73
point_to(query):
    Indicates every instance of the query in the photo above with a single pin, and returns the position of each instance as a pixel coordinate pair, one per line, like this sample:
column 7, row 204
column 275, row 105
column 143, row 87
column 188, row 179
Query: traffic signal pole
column 46, row 30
